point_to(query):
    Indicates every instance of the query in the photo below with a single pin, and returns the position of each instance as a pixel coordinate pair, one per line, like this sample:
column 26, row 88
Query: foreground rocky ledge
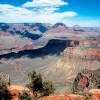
column 95, row 96
column 15, row 89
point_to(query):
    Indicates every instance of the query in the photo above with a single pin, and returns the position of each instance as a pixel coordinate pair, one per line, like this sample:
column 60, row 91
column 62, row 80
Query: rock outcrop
column 16, row 89
column 89, row 44
column 93, row 94
column 4, row 78
column 86, row 79
column 81, row 53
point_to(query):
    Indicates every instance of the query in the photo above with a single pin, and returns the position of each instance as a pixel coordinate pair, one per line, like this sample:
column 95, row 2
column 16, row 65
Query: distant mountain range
column 36, row 35
column 41, row 28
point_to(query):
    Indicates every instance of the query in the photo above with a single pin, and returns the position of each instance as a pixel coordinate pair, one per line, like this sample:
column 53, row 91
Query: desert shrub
column 4, row 93
column 48, row 88
column 89, row 96
column 24, row 96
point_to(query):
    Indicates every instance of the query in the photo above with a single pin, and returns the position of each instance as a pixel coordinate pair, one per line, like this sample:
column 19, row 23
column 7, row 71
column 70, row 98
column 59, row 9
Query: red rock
column 96, row 94
column 15, row 90
column 94, row 52
column 83, row 83
column 65, row 97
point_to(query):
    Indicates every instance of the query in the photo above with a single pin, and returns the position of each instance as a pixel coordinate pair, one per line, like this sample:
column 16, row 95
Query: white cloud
column 12, row 14
column 54, row 17
column 45, row 11
column 45, row 3
column 10, row 10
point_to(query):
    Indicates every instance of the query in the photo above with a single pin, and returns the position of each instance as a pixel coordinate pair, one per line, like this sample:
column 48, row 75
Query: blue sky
column 70, row 12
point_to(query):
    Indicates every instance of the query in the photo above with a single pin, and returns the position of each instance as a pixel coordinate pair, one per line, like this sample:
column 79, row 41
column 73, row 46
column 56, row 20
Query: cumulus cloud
column 45, row 11
column 45, row 3
column 46, row 6
column 54, row 17
column 14, row 14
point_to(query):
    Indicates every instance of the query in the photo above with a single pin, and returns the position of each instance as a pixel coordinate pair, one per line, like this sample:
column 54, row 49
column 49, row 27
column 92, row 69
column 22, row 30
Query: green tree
column 38, row 86
column 36, row 82
column 4, row 93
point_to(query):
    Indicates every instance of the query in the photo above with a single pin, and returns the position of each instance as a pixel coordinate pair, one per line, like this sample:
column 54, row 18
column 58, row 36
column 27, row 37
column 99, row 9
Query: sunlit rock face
column 94, row 92
column 73, row 61
column 81, row 53
column 16, row 89
column 65, row 97
column 86, row 79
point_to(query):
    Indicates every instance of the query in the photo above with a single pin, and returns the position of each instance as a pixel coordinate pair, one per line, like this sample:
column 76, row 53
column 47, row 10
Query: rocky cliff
column 53, row 47
column 73, row 61
column 89, row 79
column 81, row 53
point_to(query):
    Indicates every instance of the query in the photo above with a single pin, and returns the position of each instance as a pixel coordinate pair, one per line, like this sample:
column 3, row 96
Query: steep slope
column 19, row 64
column 89, row 79
column 74, row 60
column 53, row 47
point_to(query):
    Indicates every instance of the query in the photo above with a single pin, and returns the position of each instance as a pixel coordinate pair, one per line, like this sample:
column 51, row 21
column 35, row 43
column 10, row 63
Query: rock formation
column 73, row 61
column 22, row 34
column 89, row 79
column 4, row 78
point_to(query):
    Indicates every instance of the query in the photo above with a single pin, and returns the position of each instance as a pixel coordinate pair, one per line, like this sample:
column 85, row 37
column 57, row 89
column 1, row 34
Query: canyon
column 36, row 35
column 60, row 53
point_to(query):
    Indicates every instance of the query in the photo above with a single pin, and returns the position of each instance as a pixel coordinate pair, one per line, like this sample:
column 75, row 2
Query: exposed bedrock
column 54, row 46
column 86, row 79
column 4, row 78
column 81, row 53
column 73, row 60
